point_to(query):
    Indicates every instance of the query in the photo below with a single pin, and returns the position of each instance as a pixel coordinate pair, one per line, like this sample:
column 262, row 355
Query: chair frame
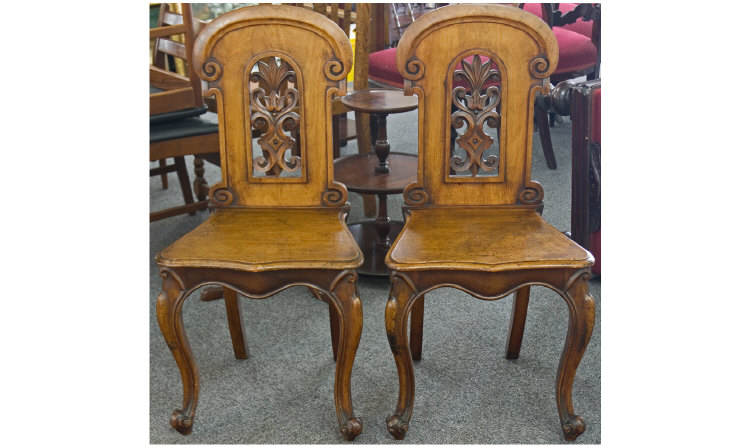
column 224, row 53
column 425, row 46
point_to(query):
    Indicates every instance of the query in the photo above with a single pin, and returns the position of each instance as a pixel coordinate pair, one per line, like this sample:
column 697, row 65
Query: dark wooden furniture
column 380, row 173
column 577, row 28
column 177, row 123
column 582, row 101
column 586, row 206
column 279, row 218
column 471, row 222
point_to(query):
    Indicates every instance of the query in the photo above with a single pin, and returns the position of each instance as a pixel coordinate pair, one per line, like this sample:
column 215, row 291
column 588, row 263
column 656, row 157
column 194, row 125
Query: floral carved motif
column 474, row 109
column 273, row 114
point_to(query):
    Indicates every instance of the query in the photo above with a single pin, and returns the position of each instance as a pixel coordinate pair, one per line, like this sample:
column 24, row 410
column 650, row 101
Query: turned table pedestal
column 381, row 173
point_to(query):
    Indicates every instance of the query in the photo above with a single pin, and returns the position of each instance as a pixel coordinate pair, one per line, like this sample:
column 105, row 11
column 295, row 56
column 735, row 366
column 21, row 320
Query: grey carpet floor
column 466, row 391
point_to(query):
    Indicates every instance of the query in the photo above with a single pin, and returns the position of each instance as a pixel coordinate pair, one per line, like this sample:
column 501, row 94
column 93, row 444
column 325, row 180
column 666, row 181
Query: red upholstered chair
column 579, row 55
column 577, row 28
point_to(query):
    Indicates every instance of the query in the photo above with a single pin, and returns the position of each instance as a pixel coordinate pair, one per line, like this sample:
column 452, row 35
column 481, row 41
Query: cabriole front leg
column 396, row 316
column 345, row 298
column 580, row 325
column 169, row 314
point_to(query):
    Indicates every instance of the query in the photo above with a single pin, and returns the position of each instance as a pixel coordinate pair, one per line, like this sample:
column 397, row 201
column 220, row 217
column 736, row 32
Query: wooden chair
column 177, row 124
column 471, row 222
column 279, row 218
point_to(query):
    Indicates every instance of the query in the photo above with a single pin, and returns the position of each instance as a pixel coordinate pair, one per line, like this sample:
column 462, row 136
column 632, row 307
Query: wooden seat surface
column 482, row 238
column 267, row 239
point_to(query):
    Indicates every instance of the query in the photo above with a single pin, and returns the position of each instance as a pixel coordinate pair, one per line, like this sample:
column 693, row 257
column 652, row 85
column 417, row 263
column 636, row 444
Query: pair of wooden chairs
column 280, row 216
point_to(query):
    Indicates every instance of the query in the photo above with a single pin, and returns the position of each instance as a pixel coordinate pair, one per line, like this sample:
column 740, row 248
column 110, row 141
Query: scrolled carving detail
column 181, row 422
column 335, row 195
column 532, row 194
column 273, row 114
column 539, row 67
column 334, row 70
column 414, row 69
column 212, row 71
column 222, row 196
column 474, row 108
column 415, row 195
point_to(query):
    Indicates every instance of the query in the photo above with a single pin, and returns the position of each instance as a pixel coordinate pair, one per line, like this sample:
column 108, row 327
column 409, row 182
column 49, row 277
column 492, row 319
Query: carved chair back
column 275, row 69
column 453, row 59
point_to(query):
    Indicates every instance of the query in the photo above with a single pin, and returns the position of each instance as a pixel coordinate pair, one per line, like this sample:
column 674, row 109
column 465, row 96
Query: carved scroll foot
column 580, row 325
column 574, row 427
column 169, row 314
column 181, row 422
column 352, row 428
column 345, row 299
column 397, row 427
column 397, row 310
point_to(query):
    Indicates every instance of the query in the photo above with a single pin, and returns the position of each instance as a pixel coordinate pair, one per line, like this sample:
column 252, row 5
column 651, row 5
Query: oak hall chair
column 279, row 218
column 471, row 222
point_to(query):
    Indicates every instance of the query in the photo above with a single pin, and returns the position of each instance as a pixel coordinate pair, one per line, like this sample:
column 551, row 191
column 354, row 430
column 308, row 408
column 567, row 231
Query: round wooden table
column 380, row 173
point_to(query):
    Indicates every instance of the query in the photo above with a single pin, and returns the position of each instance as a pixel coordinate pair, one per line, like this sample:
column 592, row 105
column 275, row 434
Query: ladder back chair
column 279, row 217
column 178, row 120
column 471, row 222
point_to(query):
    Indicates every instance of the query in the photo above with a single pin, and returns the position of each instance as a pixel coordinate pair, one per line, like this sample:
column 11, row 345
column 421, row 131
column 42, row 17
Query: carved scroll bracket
column 531, row 194
column 335, row 195
column 415, row 195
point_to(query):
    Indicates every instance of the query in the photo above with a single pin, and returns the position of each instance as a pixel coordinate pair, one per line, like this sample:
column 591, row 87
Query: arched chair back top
column 489, row 43
column 275, row 69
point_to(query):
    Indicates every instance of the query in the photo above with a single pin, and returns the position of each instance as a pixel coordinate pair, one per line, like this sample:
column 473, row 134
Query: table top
column 380, row 100
column 357, row 172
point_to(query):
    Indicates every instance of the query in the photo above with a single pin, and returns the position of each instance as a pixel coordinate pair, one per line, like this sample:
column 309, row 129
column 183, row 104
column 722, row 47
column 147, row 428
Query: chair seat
column 252, row 239
column 184, row 128
column 482, row 238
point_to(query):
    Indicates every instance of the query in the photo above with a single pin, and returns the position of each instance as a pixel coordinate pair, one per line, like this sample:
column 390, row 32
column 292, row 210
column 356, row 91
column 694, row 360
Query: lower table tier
column 366, row 236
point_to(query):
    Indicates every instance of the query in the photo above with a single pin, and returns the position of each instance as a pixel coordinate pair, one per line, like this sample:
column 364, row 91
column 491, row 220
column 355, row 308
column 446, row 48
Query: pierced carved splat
column 475, row 108
column 273, row 114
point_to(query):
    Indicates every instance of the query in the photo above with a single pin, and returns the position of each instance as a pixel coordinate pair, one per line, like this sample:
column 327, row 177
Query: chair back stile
column 521, row 58
column 286, row 94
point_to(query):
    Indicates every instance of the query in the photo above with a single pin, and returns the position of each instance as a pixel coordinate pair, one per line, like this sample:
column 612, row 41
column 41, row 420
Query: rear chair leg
column 518, row 322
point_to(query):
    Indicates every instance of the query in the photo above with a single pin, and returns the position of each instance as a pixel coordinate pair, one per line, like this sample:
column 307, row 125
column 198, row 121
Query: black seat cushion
column 177, row 114
column 184, row 128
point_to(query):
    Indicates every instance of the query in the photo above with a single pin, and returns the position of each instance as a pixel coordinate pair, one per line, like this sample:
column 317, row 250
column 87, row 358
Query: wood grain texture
column 268, row 232
column 320, row 53
column 267, row 239
column 480, row 234
column 482, row 238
